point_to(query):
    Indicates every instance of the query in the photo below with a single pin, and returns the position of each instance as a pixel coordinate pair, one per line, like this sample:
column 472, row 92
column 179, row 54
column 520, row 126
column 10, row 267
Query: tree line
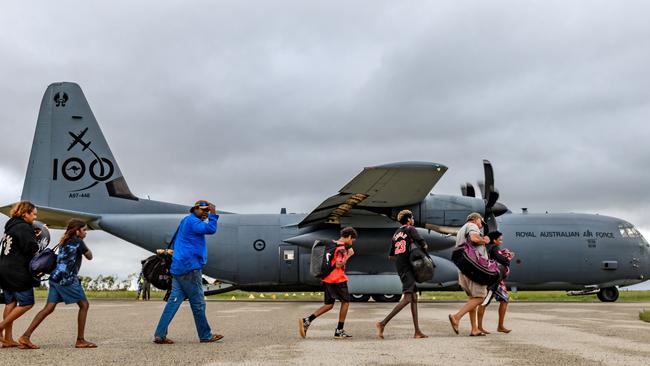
column 107, row 283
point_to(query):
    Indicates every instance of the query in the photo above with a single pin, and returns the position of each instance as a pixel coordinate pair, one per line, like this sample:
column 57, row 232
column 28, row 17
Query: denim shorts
column 23, row 298
column 70, row 294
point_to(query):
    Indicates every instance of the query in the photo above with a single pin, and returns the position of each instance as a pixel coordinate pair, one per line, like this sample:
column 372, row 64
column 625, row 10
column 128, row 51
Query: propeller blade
column 493, row 198
column 470, row 190
column 481, row 186
column 490, row 223
column 489, row 173
column 489, row 181
column 467, row 190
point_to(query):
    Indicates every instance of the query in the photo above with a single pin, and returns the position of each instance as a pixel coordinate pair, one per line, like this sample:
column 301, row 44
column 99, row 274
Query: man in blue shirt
column 190, row 255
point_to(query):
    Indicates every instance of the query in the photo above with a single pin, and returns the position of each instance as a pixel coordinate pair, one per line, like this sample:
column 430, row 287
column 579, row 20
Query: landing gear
column 359, row 297
column 386, row 298
column 377, row 298
column 608, row 294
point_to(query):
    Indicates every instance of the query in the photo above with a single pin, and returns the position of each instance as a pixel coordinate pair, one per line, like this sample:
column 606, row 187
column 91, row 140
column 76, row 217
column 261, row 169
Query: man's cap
column 474, row 216
column 202, row 204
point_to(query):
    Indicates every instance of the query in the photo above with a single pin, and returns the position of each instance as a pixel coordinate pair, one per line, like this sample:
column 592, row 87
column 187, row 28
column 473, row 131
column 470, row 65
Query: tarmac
column 266, row 333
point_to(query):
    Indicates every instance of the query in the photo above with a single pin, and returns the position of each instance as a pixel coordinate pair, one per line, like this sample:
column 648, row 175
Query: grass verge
column 625, row 296
column 645, row 315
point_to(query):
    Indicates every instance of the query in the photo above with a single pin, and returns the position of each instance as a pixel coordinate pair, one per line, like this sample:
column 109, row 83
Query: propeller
column 490, row 196
column 468, row 189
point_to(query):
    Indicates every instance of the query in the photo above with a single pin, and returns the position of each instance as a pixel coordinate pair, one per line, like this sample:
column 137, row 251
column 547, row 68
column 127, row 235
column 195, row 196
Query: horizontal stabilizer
column 58, row 218
column 383, row 186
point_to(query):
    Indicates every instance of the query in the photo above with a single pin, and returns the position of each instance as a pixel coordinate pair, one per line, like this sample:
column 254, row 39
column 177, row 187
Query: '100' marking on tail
column 74, row 168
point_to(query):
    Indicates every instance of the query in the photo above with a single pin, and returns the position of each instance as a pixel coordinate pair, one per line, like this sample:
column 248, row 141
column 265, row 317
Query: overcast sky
column 289, row 100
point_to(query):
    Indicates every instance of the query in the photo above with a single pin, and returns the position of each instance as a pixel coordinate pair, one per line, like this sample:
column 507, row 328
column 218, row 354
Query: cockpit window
column 629, row 231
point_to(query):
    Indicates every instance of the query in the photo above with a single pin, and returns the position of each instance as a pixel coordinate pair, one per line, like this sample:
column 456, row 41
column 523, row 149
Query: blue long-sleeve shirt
column 190, row 249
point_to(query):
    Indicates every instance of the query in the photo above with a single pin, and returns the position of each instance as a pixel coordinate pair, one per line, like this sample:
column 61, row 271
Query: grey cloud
column 288, row 102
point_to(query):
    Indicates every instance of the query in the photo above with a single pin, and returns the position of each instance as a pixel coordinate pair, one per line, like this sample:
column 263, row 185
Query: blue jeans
column 187, row 286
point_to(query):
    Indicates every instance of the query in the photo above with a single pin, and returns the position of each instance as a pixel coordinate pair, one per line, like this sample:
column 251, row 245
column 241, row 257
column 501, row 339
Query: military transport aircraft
column 72, row 173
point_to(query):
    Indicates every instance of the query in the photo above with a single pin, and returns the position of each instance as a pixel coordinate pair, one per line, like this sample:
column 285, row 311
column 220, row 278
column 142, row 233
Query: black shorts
column 336, row 291
column 408, row 282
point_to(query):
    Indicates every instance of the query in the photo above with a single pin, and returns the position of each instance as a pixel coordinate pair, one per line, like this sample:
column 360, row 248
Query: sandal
column 82, row 343
column 25, row 343
column 454, row 326
column 165, row 340
column 215, row 338
column 9, row 343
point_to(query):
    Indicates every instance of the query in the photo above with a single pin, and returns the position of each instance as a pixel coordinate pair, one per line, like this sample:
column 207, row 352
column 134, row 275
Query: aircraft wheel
column 386, row 298
column 608, row 294
column 359, row 297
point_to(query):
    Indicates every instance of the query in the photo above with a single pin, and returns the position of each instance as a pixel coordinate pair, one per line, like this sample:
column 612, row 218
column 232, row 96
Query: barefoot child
column 65, row 285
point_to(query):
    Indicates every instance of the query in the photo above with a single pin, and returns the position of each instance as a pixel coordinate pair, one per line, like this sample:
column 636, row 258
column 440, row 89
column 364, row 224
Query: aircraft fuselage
column 267, row 252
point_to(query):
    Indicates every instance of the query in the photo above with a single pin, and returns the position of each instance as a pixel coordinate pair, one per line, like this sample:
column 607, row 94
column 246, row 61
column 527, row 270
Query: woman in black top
column 499, row 290
column 17, row 247
column 403, row 239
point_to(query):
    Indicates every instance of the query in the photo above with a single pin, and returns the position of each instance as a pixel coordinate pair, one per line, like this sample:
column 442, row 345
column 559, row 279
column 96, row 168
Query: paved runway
column 266, row 333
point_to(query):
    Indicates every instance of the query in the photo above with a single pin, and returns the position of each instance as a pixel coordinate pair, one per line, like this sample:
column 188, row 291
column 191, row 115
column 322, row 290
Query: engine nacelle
column 445, row 213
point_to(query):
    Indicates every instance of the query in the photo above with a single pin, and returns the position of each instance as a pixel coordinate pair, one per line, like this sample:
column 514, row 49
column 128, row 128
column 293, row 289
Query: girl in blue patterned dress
column 64, row 285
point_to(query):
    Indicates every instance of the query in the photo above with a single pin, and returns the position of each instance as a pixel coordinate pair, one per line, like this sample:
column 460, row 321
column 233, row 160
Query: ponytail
column 71, row 230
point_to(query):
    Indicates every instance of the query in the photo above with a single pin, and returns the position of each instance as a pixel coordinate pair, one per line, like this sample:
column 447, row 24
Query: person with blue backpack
column 64, row 284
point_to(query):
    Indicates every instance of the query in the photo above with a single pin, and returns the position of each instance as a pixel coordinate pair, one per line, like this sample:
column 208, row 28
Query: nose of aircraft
column 644, row 254
column 645, row 259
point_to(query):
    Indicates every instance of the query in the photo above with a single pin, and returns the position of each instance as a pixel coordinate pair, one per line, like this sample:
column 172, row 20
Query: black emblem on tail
column 74, row 168
column 60, row 99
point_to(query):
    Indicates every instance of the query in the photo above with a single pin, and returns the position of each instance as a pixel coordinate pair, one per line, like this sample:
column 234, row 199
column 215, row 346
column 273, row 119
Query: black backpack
column 322, row 253
column 422, row 264
column 155, row 269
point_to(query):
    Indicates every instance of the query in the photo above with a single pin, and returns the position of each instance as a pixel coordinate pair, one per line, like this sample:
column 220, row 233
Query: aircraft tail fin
column 71, row 167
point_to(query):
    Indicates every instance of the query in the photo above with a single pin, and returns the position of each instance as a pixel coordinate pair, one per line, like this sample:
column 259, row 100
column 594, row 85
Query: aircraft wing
column 57, row 218
column 383, row 186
